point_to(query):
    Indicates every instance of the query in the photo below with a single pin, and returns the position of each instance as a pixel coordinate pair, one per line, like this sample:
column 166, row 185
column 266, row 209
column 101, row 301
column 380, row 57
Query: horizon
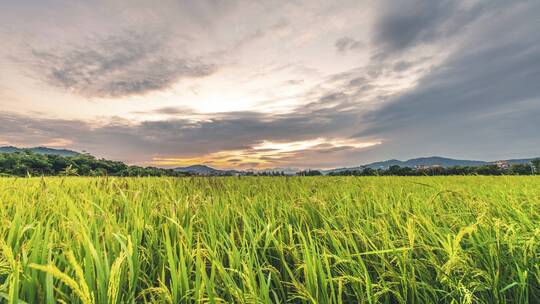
column 296, row 168
column 284, row 84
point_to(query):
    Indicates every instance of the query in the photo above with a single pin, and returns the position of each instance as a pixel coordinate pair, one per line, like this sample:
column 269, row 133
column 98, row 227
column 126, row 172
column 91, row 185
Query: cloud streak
column 347, row 43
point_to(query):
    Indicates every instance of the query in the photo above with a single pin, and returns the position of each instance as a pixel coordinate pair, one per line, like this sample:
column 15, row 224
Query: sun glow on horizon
column 267, row 154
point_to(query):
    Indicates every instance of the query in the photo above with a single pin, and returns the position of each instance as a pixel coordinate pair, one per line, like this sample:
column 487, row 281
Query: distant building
column 502, row 164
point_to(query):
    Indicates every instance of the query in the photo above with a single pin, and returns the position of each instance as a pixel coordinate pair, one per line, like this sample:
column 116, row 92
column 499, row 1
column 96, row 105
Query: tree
column 536, row 165
column 488, row 170
column 26, row 163
column 309, row 173
column 394, row 170
column 520, row 169
column 69, row 171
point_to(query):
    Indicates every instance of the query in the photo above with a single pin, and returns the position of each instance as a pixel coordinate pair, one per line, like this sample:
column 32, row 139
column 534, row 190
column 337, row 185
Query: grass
column 270, row 240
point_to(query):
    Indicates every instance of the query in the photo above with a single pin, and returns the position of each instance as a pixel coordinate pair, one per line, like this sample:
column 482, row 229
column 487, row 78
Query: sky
column 272, row 84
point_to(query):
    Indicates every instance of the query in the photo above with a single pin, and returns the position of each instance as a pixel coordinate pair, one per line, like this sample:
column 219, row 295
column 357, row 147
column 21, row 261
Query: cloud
column 184, row 111
column 116, row 66
column 480, row 102
column 456, row 78
column 294, row 82
column 347, row 43
column 140, row 142
column 404, row 24
column 268, row 154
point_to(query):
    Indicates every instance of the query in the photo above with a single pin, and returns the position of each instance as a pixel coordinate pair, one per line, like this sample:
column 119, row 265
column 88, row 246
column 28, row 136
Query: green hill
column 40, row 150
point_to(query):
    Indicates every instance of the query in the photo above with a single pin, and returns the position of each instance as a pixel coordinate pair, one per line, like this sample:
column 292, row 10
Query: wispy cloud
column 347, row 43
column 117, row 66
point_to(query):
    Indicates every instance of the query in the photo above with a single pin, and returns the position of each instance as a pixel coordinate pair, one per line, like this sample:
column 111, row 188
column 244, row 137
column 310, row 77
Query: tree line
column 515, row 169
column 28, row 163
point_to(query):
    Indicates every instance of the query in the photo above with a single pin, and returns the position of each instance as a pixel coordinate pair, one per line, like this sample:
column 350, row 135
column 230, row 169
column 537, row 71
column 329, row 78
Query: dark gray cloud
column 483, row 101
column 116, row 66
column 406, row 23
column 347, row 43
column 402, row 66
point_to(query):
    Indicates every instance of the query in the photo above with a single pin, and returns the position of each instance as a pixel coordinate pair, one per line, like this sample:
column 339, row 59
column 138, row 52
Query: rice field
column 270, row 240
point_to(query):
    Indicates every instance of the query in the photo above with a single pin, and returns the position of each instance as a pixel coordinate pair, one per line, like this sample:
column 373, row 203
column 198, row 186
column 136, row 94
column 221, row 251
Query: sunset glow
column 265, row 155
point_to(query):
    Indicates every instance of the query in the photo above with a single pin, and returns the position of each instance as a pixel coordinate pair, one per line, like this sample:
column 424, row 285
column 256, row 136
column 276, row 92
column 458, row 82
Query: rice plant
column 270, row 240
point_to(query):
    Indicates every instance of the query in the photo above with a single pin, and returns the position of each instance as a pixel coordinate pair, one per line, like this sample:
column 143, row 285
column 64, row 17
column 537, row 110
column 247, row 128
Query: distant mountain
column 412, row 163
column 520, row 161
column 205, row 170
column 426, row 161
column 198, row 169
column 40, row 150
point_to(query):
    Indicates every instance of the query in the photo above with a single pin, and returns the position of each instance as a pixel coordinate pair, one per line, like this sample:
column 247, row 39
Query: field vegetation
column 467, row 239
